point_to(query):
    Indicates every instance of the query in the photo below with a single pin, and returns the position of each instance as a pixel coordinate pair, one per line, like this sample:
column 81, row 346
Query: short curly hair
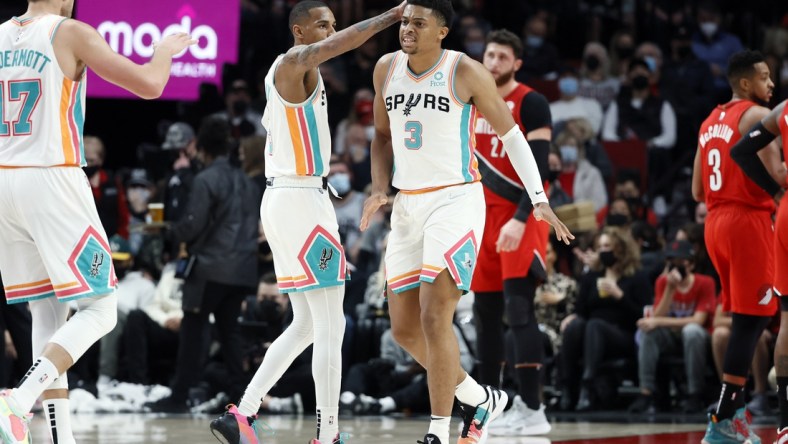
column 442, row 9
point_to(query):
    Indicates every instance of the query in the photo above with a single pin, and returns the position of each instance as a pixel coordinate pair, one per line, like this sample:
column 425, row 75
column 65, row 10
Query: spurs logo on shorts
column 95, row 266
column 325, row 258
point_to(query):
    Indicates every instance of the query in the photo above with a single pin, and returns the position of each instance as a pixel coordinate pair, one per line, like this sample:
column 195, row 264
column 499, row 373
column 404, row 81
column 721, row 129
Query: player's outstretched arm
column 380, row 151
column 477, row 84
column 302, row 58
column 749, row 152
column 89, row 48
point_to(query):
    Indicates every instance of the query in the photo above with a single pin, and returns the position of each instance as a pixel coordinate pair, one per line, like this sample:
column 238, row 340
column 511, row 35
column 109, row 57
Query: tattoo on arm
column 378, row 23
column 306, row 56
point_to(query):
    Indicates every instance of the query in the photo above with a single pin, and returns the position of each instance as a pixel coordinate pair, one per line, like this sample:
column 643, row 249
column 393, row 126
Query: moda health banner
column 131, row 27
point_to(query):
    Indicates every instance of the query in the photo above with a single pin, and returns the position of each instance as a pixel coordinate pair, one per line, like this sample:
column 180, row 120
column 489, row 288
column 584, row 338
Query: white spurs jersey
column 42, row 111
column 431, row 128
column 299, row 138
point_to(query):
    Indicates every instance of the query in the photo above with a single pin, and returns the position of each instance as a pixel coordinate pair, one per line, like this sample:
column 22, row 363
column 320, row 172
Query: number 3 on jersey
column 26, row 91
column 414, row 129
column 715, row 178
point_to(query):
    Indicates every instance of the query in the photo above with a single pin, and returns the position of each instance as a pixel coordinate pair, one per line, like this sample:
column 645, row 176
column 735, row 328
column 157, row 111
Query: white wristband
column 523, row 161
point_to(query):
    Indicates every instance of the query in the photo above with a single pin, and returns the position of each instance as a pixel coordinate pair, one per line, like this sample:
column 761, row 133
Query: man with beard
column 425, row 108
column 739, row 234
column 511, row 257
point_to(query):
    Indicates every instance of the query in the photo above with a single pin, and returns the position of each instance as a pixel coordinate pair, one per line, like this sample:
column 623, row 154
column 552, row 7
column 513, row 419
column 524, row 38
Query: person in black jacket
column 609, row 303
column 220, row 230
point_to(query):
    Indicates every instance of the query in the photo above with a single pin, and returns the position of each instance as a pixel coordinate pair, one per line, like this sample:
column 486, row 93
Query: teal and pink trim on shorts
column 323, row 260
column 91, row 265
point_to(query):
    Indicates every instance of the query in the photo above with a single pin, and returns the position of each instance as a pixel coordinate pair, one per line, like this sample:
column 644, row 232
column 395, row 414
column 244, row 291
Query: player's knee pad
column 48, row 316
column 101, row 312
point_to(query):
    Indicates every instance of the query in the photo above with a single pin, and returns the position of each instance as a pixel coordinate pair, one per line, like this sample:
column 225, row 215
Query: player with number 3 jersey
column 739, row 233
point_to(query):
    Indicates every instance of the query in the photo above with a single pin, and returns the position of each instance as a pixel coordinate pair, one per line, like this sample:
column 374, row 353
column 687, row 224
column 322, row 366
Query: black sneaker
column 643, row 404
column 233, row 427
column 429, row 438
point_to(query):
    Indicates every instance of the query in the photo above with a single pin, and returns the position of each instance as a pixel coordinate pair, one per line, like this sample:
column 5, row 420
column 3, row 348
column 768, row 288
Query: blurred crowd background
column 628, row 81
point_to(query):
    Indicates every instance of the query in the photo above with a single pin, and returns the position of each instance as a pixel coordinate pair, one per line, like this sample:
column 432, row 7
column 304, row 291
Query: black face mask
column 592, row 62
column 684, row 51
column 552, row 175
column 268, row 310
column 625, row 52
column 239, row 107
column 617, row 220
column 640, row 83
column 681, row 269
column 607, row 258
column 91, row 170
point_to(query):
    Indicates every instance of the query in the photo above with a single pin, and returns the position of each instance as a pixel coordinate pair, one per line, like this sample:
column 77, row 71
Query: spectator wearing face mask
column 628, row 188
column 139, row 191
column 473, row 43
column 652, row 55
column 555, row 193
column 639, row 115
column 571, row 105
column 595, row 79
column 688, row 85
column 360, row 113
column 348, row 203
column 540, row 57
column 108, row 190
column 681, row 322
column 622, row 50
column 609, row 303
column 243, row 119
column 714, row 46
column 619, row 214
column 579, row 178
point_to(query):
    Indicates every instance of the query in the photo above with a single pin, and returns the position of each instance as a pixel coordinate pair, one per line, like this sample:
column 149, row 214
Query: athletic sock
column 782, row 400
column 470, row 392
column 38, row 378
column 528, row 380
column 439, row 426
column 327, row 424
column 731, row 399
column 59, row 419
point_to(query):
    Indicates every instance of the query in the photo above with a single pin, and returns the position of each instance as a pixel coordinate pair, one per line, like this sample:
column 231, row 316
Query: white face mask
column 340, row 182
column 708, row 28
column 569, row 154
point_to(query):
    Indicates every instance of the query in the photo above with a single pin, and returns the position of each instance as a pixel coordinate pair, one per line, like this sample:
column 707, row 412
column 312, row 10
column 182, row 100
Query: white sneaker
column 522, row 421
column 509, row 415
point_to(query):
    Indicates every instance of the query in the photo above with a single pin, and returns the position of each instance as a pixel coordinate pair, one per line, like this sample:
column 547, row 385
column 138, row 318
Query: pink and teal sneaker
column 13, row 425
column 234, row 428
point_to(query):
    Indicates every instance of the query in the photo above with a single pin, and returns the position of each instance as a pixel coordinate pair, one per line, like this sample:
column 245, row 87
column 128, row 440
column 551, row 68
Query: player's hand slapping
column 542, row 211
column 371, row 205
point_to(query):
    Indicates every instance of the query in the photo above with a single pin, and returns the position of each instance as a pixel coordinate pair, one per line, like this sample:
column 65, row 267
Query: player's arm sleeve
column 535, row 114
column 745, row 154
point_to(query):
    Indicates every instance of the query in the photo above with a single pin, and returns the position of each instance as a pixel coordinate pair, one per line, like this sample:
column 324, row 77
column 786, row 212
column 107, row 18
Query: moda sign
column 132, row 27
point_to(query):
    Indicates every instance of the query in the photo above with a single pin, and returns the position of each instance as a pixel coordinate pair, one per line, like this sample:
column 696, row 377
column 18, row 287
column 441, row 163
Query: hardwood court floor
column 133, row 428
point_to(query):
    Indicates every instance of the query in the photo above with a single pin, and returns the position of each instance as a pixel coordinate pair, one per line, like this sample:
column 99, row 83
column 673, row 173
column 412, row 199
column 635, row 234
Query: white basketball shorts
column 301, row 227
column 51, row 239
column 433, row 231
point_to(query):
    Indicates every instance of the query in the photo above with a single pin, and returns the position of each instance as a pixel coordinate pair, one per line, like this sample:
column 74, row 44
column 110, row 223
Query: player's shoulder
column 387, row 59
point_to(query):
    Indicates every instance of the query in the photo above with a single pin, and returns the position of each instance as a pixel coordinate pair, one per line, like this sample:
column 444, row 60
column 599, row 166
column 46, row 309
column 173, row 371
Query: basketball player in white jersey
column 53, row 248
column 299, row 219
column 425, row 106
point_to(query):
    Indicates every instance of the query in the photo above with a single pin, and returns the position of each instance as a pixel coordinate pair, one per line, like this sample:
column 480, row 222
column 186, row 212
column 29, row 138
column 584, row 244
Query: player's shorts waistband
column 297, row 182
column 438, row 188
